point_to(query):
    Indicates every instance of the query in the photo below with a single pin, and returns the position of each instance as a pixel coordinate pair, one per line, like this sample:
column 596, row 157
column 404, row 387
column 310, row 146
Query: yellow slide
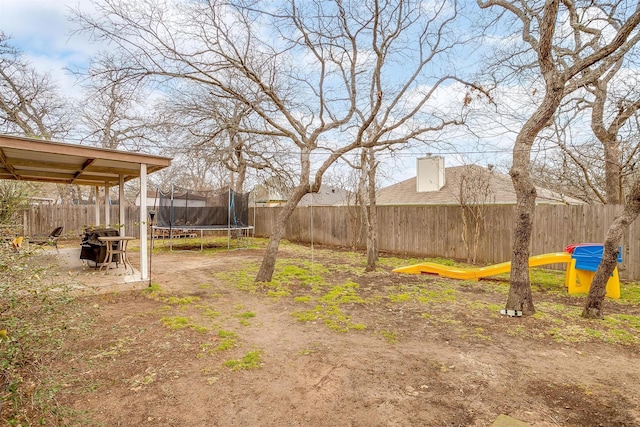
column 477, row 273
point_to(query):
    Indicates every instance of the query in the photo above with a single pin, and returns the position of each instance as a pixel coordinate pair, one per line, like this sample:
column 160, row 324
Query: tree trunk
column 520, row 297
column 608, row 136
column 595, row 300
column 372, row 223
column 612, row 172
column 265, row 274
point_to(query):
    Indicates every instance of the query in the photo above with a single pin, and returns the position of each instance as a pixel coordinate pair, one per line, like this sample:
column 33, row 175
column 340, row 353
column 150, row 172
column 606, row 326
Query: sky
column 43, row 31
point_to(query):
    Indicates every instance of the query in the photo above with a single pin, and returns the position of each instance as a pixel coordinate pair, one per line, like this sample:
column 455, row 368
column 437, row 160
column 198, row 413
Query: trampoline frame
column 246, row 232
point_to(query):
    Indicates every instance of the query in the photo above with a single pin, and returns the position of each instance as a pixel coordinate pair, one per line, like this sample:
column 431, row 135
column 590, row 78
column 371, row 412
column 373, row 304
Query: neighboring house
column 268, row 197
column 327, row 196
column 179, row 199
column 437, row 185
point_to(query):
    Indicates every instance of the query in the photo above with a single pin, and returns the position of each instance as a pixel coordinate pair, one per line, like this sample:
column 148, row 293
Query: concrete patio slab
column 84, row 277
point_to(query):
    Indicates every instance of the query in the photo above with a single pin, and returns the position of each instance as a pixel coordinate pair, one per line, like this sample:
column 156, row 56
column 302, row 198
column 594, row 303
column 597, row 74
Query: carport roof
column 29, row 159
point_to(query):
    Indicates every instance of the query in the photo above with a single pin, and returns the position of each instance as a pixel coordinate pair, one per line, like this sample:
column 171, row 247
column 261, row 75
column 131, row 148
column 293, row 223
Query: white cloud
column 43, row 31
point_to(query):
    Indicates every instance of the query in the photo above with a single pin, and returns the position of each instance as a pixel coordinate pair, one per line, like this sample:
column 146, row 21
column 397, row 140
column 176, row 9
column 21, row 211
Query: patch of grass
column 328, row 310
column 154, row 292
column 622, row 329
column 225, row 340
column 289, row 274
column 342, row 294
column 620, row 336
column 548, row 280
column 389, row 336
column 299, row 272
column 303, row 299
column 181, row 301
column 307, row 315
column 243, row 279
column 631, row 320
column 594, row 333
column 559, row 311
column 630, row 292
column 175, row 322
column 209, row 311
column 278, row 293
column 228, row 340
column 226, row 344
column 475, row 333
column 482, row 306
column 336, row 320
column 569, row 327
column 251, row 360
column 244, row 317
column 518, row 330
column 332, row 317
column 139, row 381
column 178, row 322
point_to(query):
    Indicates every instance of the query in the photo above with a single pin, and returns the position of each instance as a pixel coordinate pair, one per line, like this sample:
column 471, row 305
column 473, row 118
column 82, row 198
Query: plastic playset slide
column 582, row 261
column 480, row 272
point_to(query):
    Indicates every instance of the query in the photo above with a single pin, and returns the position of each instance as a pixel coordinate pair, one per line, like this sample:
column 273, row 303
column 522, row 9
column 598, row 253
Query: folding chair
column 51, row 239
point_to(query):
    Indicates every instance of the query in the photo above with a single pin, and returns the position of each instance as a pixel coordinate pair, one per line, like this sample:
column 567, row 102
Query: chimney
column 430, row 176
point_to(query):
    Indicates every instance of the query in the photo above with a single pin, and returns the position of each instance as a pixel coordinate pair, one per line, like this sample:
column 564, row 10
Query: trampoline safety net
column 216, row 209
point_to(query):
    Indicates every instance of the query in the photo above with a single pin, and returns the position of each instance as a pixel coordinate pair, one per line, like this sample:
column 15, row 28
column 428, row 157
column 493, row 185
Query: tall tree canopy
column 319, row 78
column 570, row 44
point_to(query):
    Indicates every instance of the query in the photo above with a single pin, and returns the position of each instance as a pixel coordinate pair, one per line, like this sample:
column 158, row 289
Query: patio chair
column 50, row 239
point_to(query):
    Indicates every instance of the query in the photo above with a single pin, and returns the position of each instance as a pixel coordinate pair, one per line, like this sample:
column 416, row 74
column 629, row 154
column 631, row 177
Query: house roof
column 501, row 190
column 29, row 159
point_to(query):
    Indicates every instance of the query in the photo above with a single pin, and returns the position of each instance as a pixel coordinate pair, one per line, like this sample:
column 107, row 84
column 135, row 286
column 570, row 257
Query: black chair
column 51, row 239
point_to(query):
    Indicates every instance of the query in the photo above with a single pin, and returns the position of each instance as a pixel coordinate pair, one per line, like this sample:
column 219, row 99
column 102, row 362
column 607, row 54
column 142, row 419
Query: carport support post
column 97, row 201
column 144, row 266
column 107, row 207
column 121, row 218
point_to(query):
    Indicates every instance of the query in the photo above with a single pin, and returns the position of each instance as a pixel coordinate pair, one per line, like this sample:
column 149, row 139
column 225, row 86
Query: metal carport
column 30, row 159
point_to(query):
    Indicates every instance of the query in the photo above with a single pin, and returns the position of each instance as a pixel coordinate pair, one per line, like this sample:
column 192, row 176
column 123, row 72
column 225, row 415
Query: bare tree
column 29, row 101
column 474, row 194
column 367, row 200
column 573, row 43
column 609, row 133
column 304, row 81
column 208, row 130
column 609, row 108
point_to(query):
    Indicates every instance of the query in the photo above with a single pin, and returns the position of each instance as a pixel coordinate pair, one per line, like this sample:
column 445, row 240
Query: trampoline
column 185, row 213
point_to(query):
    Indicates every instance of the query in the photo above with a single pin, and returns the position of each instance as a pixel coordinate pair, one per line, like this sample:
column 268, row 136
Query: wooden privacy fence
column 42, row 219
column 436, row 231
column 420, row 231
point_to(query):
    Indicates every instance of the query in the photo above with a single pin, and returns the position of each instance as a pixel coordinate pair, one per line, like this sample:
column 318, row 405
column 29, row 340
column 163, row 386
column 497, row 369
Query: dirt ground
column 404, row 351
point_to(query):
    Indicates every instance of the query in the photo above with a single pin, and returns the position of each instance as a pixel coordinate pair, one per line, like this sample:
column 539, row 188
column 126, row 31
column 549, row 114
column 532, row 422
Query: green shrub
column 35, row 315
